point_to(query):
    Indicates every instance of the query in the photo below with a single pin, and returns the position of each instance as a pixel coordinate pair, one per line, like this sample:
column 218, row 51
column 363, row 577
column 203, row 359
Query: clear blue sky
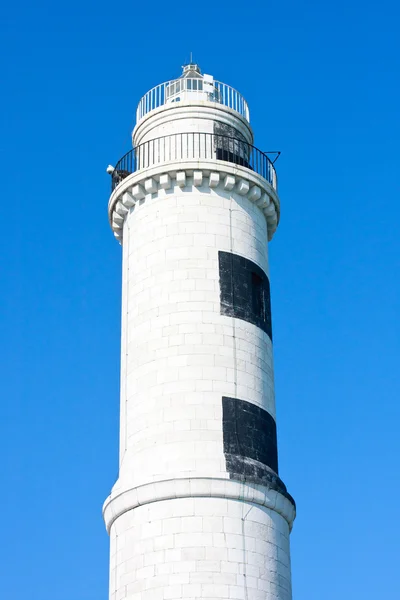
column 322, row 82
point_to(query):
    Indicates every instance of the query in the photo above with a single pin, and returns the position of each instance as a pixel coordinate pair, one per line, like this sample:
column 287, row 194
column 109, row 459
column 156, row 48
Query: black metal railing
column 194, row 146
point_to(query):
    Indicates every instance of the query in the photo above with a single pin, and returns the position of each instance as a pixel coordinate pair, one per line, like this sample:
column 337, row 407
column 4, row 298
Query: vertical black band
column 244, row 291
column 249, row 432
column 250, row 445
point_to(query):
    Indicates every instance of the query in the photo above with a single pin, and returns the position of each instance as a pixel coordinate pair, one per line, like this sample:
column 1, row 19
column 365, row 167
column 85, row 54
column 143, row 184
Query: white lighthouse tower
column 198, row 511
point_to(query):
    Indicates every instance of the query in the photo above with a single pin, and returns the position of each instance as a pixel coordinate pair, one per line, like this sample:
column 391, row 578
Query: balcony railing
column 194, row 146
column 199, row 89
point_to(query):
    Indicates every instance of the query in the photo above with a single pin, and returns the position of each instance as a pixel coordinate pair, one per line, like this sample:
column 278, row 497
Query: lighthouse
column 199, row 510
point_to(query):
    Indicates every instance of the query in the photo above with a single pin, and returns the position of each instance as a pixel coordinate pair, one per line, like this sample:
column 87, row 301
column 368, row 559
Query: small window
column 200, row 85
column 189, row 84
column 195, row 84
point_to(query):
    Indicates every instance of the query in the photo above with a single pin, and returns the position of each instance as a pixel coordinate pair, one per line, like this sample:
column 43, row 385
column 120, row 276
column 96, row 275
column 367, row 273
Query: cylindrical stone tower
column 198, row 510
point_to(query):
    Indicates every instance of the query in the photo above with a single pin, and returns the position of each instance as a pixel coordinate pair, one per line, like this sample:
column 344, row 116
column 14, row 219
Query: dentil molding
column 133, row 191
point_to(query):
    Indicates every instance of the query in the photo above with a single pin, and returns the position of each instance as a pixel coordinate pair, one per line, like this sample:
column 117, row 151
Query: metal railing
column 199, row 89
column 194, row 146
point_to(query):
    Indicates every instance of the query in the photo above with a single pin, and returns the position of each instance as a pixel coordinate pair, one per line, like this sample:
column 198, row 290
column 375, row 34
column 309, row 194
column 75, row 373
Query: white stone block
column 216, row 553
column 153, row 558
column 264, row 201
column 121, row 209
column 138, row 192
column 150, row 530
column 145, row 493
column 128, row 200
column 150, row 185
column 192, row 590
column 213, row 181
column 164, row 542
column 269, row 210
column 178, row 578
column 197, row 553
column 197, row 178
column 243, row 187
column 181, row 179
column 172, row 525
column 215, row 591
column 184, row 566
column 192, row 524
column 145, row 572
column 254, row 193
column 117, row 219
column 172, row 592
column 165, row 181
column 229, row 182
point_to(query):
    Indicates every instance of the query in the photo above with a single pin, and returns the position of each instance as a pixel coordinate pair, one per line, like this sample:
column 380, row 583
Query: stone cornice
column 197, row 487
column 135, row 189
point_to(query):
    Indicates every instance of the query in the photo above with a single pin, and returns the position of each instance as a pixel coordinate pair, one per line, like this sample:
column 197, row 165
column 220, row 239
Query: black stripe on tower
column 244, row 291
column 250, row 444
column 249, row 433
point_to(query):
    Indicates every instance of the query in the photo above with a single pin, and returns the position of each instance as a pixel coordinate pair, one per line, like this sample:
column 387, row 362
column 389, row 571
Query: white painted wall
column 179, row 354
column 188, row 117
column 200, row 548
